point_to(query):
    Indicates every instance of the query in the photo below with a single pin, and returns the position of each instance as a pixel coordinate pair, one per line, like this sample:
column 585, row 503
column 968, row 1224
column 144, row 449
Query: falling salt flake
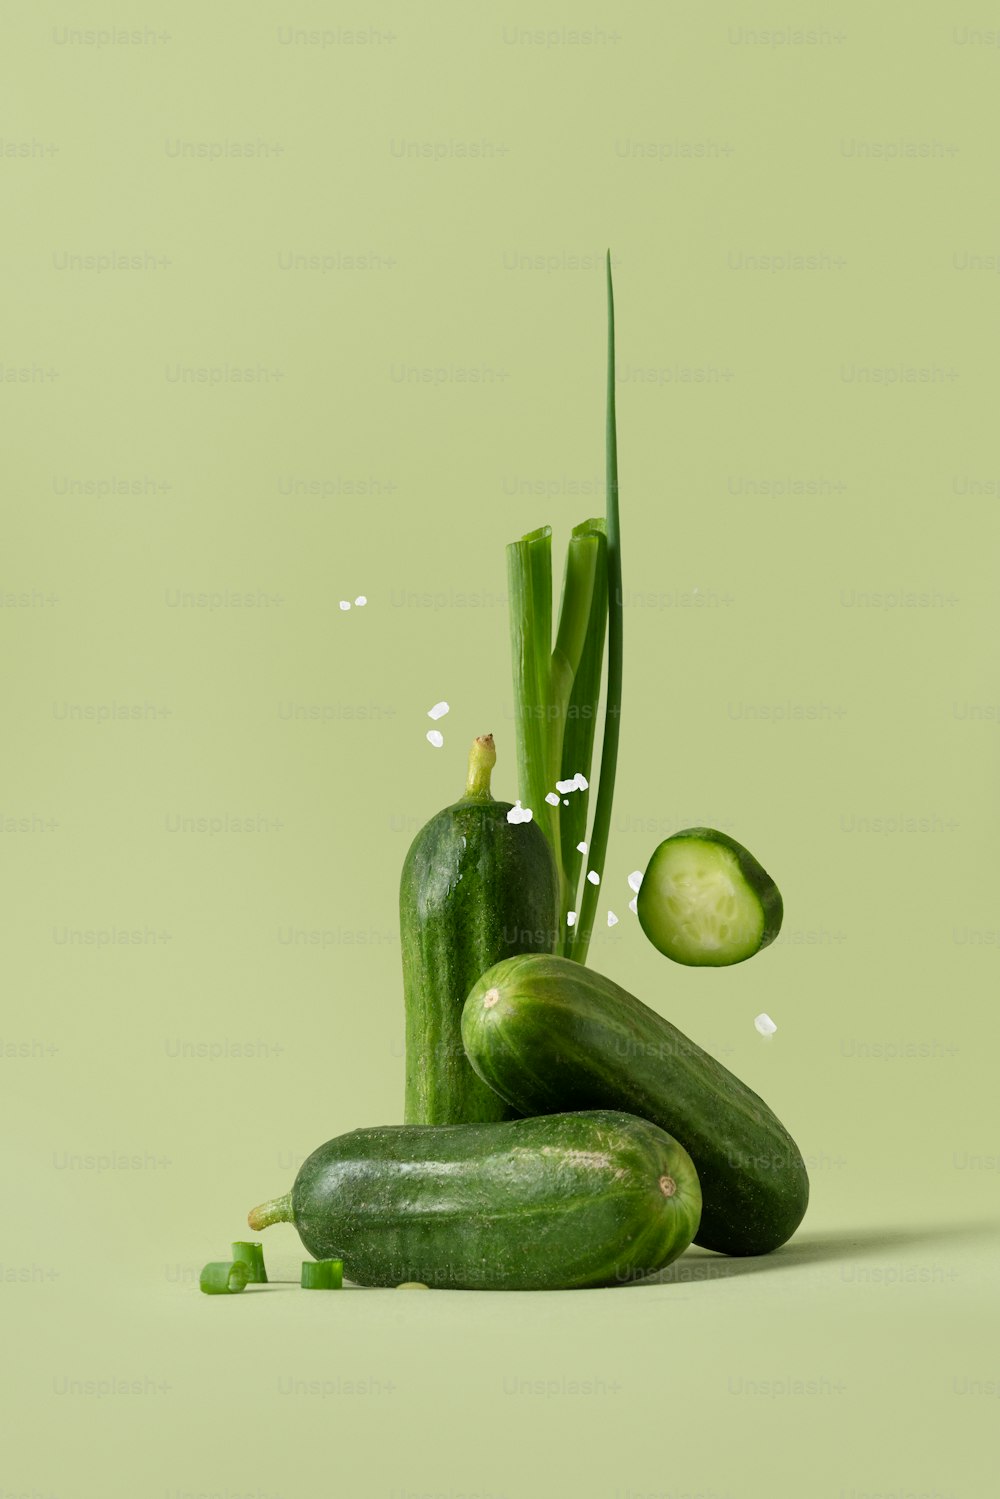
column 765, row 1025
column 552, row 799
column 612, row 919
column 633, row 906
column 361, row 601
column 438, row 711
column 435, row 738
column 563, row 786
column 580, row 781
column 565, row 801
column 581, row 848
column 571, row 918
column 635, row 880
column 344, row 604
column 593, row 877
column 518, row 813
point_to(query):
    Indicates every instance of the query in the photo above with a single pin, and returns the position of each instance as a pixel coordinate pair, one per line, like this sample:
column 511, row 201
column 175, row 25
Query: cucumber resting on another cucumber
column 705, row 901
column 551, row 1035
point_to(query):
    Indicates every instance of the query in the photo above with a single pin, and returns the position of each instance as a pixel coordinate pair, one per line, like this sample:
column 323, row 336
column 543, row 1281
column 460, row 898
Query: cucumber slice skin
column 760, row 884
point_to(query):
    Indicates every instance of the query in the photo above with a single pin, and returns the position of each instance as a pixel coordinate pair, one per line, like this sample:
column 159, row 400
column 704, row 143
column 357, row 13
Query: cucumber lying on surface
column 551, row 1035
column 475, row 888
column 705, row 901
column 561, row 1202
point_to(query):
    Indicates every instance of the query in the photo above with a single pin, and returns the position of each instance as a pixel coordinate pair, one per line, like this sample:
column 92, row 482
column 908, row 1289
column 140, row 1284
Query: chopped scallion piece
column 252, row 1255
column 224, row 1277
column 322, row 1275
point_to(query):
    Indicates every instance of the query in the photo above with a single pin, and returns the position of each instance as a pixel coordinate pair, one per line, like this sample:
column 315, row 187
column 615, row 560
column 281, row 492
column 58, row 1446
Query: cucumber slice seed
column 705, row 901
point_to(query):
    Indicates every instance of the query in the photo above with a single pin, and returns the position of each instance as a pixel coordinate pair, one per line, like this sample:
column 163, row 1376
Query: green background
column 394, row 219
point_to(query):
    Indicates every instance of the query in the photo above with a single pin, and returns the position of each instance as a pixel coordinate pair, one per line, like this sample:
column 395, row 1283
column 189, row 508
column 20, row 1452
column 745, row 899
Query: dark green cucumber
column 550, row 1035
column 475, row 888
column 562, row 1202
column 705, row 901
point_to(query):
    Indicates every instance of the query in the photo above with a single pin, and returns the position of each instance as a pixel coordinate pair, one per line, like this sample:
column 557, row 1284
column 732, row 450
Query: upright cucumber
column 475, row 888
column 550, row 1035
column 556, row 1203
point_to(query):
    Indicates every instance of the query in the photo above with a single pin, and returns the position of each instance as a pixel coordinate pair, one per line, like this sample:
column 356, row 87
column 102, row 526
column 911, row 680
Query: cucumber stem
column 482, row 758
column 278, row 1210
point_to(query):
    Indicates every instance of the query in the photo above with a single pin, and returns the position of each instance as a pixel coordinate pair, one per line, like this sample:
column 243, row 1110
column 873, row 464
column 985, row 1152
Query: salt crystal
column 564, row 786
column 612, row 919
column 581, row 848
column 765, row 1025
column 571, row 918
column 361, row 601
column 438, row 711
column 581, row 781
column 433, row 737
column 344, row 604
column 635, row 880
column 565, row 802
column 552, row 799
column 594, row 877
column 633, row 905
column 518, row 813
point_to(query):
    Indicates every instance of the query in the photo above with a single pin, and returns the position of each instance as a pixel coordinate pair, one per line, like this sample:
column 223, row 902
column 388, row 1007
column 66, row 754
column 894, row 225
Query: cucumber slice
column 705, row 901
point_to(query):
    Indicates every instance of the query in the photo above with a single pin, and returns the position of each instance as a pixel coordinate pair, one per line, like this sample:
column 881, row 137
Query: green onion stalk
column 557, row 687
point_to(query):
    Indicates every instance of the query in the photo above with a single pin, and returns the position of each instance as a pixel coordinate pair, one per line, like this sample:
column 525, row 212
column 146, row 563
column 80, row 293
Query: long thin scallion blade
column 612, row 716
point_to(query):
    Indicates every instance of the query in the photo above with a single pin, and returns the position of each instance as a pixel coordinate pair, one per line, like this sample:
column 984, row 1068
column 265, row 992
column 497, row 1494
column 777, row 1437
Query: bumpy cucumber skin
column 551, row 1035
column 555, row 1203
column 475, row 888
column 756, row 876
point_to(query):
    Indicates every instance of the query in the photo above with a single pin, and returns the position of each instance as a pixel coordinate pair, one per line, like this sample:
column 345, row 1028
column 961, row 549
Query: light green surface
column 813, row 671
